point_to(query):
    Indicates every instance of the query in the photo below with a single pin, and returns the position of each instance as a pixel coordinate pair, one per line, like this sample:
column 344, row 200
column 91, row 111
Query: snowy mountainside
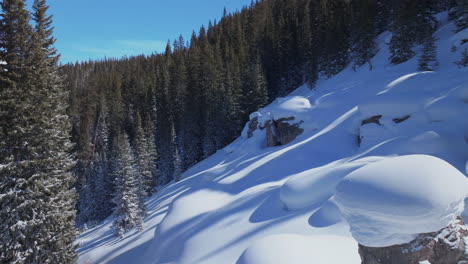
column 249, row 203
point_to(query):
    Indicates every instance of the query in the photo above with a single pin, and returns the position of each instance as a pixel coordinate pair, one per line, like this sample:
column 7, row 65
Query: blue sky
column 113, row 28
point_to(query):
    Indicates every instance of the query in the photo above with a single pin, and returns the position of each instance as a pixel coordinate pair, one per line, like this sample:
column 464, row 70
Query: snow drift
column 390, row 202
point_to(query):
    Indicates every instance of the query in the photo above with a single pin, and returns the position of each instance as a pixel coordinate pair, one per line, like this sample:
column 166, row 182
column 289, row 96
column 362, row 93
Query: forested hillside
column 195, row 97
column 81, row 142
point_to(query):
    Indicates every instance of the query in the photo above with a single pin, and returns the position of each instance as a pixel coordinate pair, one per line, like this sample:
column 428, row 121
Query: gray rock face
column 280, row 132
column 277, row 132
column 447, row 246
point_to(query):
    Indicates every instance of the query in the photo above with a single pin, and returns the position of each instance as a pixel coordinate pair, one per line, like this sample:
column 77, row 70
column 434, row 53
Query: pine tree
column 429, row 53
column 460, row 14
column 364, row 47
column 144, row 158
column 153, row 152
column 103, row 181
column 37, row 200
column 402, row 41
column 128, row 212
column 177, row 162
column 463, row 62
column 413, row 21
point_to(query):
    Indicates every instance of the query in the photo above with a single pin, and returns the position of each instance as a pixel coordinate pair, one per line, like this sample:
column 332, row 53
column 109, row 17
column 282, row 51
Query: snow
column 283, row 107
column 315, row 186
column 297, row 249
column 253, row 204
column 389, row 202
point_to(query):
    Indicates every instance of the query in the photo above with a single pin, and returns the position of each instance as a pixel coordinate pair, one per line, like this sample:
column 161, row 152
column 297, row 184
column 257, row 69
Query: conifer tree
column 460, row 14
column 463, row 62
column 153, row 152
column 144, row 158
column 128, row 212
column 429, row 53
column 177, row 162
column 400, row 46
column 364, row 47
column 37, row 202
column 103, row 182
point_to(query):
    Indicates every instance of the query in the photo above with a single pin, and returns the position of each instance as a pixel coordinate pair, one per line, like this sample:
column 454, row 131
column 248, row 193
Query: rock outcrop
column 280, row 132
column 277, row 132
column 447, row 246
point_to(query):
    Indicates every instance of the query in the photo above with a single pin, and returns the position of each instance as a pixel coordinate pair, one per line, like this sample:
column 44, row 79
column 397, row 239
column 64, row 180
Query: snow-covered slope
column 253, row 204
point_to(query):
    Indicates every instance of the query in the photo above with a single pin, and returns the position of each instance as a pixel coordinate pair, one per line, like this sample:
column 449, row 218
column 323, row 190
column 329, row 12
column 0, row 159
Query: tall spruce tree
column 177, row 162
column 460, row 14
column 36, row 196
column 128, row 211
column 428, row 56
column 144, row 158
column 402, row 41
column 152, row 151
column 364, row 32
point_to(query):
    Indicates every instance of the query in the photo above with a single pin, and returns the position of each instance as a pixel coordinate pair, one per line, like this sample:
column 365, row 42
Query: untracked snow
column 252, row 204
column 297, row 249
column 389, row 202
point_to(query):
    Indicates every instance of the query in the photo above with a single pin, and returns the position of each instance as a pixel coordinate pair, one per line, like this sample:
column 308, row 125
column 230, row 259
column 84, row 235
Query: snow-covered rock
column 446, row 246
column 392, row 201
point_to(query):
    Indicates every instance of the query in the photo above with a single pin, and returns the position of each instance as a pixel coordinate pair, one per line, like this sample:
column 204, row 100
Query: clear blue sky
column 113, row 28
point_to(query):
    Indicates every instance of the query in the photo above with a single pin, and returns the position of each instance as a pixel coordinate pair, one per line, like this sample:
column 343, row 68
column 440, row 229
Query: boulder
column 281, row 132
column 447, row 246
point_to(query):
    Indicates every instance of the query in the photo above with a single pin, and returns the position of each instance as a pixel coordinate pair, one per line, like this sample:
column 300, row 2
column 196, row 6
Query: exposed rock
column 281, row 132
column 402, row 119
column 271, row 138
column 370, row 120
column 253, row 124
column 288, row 132
column 447, row 246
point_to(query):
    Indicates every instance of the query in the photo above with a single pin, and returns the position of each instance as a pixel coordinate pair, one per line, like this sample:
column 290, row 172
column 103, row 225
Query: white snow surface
column 389, row 202
column 252, row 204
column 297, row 249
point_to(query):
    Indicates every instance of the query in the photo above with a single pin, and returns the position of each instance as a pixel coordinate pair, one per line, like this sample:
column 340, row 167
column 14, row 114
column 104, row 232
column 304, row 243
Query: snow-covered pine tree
column 128, row 212
column 463, row 62
column 365, row 31
column 402, row 40
column 400, row 45
column 143, row 157
column 36, row 196
column 428, row 56
column 460, row 14
column 413, row 21
column 152, row 150
column 103, row 182
column 177, row 162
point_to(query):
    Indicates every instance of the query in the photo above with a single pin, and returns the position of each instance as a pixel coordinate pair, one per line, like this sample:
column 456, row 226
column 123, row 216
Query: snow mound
column 315, row 186
column 391, row 201
column 283, row 107
column 297, row 249
column 326, row 216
